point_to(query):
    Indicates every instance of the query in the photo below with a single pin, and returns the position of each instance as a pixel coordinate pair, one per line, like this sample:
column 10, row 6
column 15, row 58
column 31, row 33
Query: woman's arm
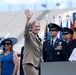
column 15, row 60
column 28, row 15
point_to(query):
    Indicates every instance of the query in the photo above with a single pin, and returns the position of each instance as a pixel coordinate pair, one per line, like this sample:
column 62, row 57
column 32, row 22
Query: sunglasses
column 53, row 30
column 64, row 33
column 7, row 44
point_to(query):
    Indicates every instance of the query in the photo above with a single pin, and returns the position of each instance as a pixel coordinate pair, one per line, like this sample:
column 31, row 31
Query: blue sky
column 30, row 1
column 4, row 4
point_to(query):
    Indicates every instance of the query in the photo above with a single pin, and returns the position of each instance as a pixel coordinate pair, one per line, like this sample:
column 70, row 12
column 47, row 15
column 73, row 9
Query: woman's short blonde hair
column 33, row 23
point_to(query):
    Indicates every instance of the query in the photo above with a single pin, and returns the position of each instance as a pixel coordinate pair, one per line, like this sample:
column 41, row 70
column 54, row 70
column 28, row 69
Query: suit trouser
column 29, row 69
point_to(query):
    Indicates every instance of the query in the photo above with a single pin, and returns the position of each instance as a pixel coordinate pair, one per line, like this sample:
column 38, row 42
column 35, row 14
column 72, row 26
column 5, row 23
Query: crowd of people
column 35, row 50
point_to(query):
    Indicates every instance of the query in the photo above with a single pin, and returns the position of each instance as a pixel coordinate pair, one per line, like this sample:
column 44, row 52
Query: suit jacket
column 21, row 67
column 50, row 53
column 32, row 48
column 70, row 48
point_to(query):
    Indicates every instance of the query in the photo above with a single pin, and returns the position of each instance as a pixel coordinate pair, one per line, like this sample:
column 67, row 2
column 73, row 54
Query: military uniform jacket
column 70, row 48
column 32, row 48
column 50, row 53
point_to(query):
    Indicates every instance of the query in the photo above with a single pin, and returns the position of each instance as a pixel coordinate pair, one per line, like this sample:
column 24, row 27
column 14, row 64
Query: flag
column 74, row 23
column 71, row 27
column 60, row 23
column 47, row 33
column 60, row 31
column 67, row 23
column 74, row 35
column 53, row 19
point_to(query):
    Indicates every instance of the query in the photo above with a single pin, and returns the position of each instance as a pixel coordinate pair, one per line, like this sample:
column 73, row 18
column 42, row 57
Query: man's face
column 66, row 36
column 53, row 33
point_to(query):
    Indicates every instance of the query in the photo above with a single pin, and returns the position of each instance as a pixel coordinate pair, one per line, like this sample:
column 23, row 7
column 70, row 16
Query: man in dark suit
column 54, row 49
column 70, row 48
column 21, row 67
column 66, row 34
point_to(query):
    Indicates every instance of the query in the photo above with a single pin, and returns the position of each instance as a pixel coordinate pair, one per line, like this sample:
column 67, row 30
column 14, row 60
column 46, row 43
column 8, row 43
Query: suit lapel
column 36, row 39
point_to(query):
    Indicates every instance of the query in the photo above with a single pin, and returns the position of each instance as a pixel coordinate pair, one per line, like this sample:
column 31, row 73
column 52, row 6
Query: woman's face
column 7, row 45
column 36, row 28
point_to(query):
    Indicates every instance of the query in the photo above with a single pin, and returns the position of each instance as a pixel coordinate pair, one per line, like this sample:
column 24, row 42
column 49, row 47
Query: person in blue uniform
column 66, row 34
column 9, row 58
column 70, row 48
column 55, row 48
